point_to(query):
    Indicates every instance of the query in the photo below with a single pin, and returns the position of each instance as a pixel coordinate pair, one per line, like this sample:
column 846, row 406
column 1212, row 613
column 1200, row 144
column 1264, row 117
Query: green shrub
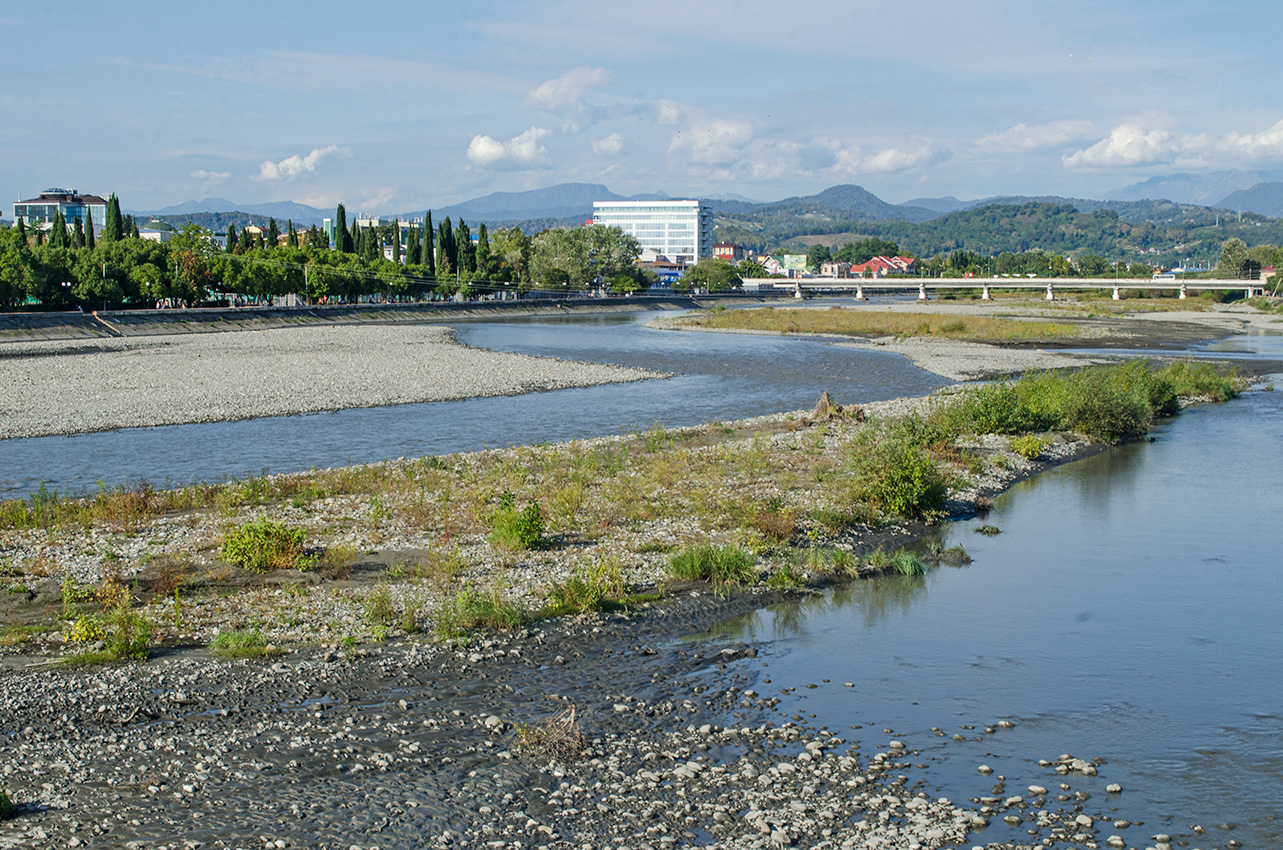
column 380, row 610
column 243, row 643
column 894, row 475
column 7, row 805
column 1028, row 446
column 125, row 634
column 265, row 545
column 1190, row 379
column 716, row 564
column 516, row 529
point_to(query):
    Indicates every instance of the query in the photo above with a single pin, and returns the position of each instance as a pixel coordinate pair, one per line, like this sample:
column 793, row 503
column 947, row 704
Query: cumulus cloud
column 293, row 166
column 567, row 91
column 1126, row 145
column 1266, row 144
column 609, row 146
column 520, row 149
column 852, row 161
column 1023, row 137
column 211, row 176
column 669, row 112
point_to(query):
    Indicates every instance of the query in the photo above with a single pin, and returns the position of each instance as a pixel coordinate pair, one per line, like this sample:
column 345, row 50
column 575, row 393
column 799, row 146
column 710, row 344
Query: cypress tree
column 467, row 252
column 22, row 231
column 90, row 241
column 129, row 228
column 413, row 247
column 340, row 229
column 112, row 227
column 133, row 228
column 396, row 241
column 349, row 241
column 78, row 235
column 58, row 231
column 244, row 243
column 483, row 250
column 291, row 237
column 429, row 257
column 231, row 239
column 447, row 259
column 273, row 233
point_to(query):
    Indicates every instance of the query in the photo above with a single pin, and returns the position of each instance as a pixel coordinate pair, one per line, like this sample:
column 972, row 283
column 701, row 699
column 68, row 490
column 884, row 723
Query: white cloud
column 713, row 141
column 609, row 146
column 210, row 176
column 852, row 162
column 1023, row 137
column 1126, row 145
column 669, row 112
column 520, row 149
column 295, row 165
column 1267, row 144
column 566, row 92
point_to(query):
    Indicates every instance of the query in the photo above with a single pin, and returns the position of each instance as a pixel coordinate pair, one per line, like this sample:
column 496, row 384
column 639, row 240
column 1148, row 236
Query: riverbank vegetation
column 867, row 323
column 602, row 523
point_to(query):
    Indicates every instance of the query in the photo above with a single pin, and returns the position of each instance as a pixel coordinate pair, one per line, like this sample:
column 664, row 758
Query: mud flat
column 76, row 386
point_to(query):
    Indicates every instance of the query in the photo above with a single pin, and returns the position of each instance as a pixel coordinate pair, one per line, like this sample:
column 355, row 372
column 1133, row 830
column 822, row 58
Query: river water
column 715, row 376
column 1128, row 611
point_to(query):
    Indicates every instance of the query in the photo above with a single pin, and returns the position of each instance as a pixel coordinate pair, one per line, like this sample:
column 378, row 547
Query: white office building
column 680, row 230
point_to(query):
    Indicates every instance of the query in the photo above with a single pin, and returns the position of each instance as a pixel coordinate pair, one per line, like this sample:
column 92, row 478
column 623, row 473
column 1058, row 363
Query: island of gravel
column 81, row 385
column 368, row 721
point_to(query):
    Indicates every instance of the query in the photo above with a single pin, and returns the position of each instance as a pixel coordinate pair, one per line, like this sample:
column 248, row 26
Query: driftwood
column 826, row 409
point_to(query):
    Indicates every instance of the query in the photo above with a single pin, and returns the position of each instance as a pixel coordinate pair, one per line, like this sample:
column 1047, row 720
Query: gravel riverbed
column 75, row 386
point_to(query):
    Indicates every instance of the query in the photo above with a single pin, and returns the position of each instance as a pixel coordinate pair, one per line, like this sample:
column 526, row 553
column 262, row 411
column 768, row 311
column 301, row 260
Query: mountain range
column 1159, row 199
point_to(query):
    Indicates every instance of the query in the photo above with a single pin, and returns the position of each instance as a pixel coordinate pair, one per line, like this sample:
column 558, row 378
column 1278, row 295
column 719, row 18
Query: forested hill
column 1056, row 228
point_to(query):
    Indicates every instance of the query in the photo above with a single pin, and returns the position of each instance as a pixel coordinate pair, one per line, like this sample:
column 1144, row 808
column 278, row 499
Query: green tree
column 711, row 274
column 77, row 235
column 1233, row 256
column 751, row 269
column 1093, row 265
column 273, row 233
column 581, row 253
column 58, row 233
column 396, row 241
column 230, row 247
column 340, row 231
column 465, row 250
column 113, row 226
column 90, row 239
column 816, row 256
column 447, row 258
column 413, row 247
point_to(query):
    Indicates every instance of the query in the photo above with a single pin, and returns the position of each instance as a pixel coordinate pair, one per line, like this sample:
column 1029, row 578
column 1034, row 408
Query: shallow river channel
column 1128, row 611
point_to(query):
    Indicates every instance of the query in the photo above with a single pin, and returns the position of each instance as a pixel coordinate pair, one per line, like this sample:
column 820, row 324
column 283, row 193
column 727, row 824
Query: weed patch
column 243, row 643
column 265, row 545
column 717, row 564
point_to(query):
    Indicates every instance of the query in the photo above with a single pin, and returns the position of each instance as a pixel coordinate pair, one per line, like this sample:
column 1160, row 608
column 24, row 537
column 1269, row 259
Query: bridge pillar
column 922, row 292
column 1118, row 296
column 1249, row 293
column 984, row 295
column 797, row 291
column 859, row 292
column 1051, row 293
column 1182, row 295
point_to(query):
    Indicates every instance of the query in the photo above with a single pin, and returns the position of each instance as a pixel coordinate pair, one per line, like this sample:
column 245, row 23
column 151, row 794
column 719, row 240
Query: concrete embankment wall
column 104, row 323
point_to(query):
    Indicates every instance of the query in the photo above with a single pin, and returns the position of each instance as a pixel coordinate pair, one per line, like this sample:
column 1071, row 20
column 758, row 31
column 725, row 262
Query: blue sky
column 392, row 107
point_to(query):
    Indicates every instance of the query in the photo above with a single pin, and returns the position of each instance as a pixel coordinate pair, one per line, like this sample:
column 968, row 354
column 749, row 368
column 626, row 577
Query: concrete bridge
column 862, row 288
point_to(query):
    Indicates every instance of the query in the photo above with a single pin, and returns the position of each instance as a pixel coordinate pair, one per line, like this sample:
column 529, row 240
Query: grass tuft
column 717, row 564
column 242, row 643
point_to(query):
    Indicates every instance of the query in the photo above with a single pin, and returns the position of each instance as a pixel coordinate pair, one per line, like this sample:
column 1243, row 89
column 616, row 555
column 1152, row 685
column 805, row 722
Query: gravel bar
column 75, row 386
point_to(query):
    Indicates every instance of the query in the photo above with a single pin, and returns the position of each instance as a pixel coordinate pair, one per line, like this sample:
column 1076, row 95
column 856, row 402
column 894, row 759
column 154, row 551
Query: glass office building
column 73, row 206
column 680, row 230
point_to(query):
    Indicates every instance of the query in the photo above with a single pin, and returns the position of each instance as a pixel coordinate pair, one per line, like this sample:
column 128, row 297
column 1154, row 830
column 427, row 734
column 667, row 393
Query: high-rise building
column 73, row 206
column 680, row 230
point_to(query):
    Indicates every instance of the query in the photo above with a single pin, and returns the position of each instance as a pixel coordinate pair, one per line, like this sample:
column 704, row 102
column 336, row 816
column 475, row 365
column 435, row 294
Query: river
column 1128, row 611
column 715, row 376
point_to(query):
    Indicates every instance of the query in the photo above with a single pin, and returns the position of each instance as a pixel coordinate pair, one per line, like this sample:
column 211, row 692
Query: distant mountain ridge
column 1203, row 189
column 282, row 211
column 1263, row 199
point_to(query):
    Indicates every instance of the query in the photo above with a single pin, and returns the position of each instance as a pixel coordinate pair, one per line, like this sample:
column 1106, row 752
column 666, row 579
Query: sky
column 399, row 106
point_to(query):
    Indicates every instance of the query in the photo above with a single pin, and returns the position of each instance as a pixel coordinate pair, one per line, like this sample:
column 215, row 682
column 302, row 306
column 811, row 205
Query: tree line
column 68, row 266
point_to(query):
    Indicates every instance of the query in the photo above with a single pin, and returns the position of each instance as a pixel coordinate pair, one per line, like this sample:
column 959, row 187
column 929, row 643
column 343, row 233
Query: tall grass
column 716, row 564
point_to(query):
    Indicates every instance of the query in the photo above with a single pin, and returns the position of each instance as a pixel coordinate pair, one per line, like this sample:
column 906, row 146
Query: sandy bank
column 74, row 386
